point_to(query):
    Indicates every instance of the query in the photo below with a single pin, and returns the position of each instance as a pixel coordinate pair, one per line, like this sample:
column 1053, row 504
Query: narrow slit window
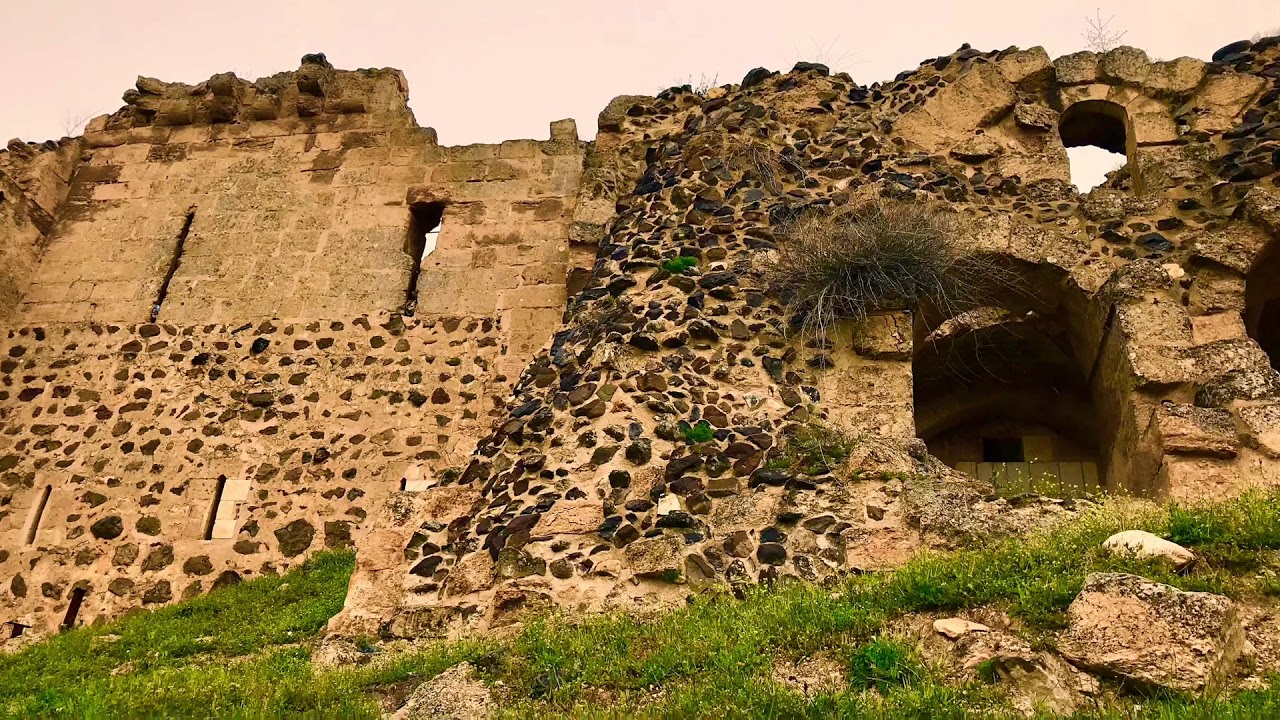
column 212, row 519
column 77, row 599
column 174, row 262
column 37, row 513
column 425, row 220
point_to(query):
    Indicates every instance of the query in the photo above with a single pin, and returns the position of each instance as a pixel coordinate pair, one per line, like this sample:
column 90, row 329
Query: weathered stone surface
column 954, row 628
column 655, row 556
column 574, row 517
column 976, row 149
column 455, row 694
column 1035, row 117
column 1034, row 680
column 1152, row 634
column 1076, row 69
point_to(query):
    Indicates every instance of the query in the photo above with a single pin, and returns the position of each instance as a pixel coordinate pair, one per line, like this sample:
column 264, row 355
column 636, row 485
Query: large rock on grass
column 1150, row 634
column 1144, row 545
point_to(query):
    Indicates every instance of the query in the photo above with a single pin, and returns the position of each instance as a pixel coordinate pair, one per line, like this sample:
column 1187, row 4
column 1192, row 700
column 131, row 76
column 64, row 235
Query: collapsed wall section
column 34, row 182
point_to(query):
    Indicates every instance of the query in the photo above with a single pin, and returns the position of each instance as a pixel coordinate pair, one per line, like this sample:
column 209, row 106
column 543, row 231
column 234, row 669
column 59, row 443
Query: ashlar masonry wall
column 279, row 394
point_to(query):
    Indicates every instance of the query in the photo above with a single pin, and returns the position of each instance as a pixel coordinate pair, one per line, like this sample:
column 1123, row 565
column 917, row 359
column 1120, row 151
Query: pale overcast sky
column 491, row 70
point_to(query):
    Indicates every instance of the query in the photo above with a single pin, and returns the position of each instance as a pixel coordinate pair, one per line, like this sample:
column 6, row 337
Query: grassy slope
column 236, row 652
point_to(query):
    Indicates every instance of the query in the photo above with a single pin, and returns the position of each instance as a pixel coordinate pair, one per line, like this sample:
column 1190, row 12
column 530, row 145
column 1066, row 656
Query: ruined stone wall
column 1122, row 306
column 281, row 394
column 489, row 460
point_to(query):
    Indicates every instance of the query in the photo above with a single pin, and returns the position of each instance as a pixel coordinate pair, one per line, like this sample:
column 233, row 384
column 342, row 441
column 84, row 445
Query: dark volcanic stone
column 198, row 565
column 108, row 528
column 717, row 279
column 764, row 476
column 337, row 534
column 755, row 77
column 226, row 579
column 159, row 558
column 295, row 537
column 1155, row 241
column 771, row 554
column 815, row 67
column 158, row 593
column 1224, row 52
column 148, row 525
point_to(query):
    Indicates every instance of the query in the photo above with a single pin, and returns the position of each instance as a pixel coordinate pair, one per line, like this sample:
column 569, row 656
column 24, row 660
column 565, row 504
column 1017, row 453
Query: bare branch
column 1100, row 36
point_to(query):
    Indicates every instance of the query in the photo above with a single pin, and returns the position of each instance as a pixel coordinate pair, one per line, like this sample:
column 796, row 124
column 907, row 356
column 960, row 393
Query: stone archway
column 1042, row 365
column 1099, row 124
column 1000, row 398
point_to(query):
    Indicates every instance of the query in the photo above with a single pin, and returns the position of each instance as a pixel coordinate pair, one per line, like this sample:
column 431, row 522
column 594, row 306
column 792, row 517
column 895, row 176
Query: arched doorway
column 1262, row 302
column 1099, row 140
column 1003, row 392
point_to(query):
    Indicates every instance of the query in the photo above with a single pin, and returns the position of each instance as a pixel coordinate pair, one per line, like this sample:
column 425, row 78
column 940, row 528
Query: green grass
column 884, row 664
column 679, row 265
column 242, row 652
column 814, row 449
column 699, row 433
column 194, row 649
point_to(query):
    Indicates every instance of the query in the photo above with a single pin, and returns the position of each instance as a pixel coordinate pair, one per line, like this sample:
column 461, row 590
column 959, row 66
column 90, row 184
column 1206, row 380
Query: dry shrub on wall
column 763, row 160
column 842, row 263
column 750, row 151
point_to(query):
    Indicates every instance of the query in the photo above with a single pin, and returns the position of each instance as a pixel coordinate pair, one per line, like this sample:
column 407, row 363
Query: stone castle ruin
column 248, row 321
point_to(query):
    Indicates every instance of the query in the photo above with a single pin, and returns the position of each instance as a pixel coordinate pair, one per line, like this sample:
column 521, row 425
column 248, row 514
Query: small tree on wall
column 1100, row 36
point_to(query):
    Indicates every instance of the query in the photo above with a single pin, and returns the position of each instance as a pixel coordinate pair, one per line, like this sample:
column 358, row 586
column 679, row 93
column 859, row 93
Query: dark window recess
column 1002, row 450
column 424, row 225
column 213, row 509
column 173, row 264
column 77, row 599
column 16, row 629
column 37, row 514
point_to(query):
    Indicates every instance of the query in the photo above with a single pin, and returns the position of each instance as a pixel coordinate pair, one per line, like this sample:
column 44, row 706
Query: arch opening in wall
column 1262, row 303
column 1099, row 140
column 1001, row 394
column 425, row 222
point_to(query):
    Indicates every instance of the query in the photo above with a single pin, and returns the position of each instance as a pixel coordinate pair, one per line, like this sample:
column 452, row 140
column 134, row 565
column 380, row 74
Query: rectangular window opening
column 174, row 262
column 37, row 513
column 77, row 599
column 16, row 629
column 1002, row 450
column 212, row 517
column 425, row 220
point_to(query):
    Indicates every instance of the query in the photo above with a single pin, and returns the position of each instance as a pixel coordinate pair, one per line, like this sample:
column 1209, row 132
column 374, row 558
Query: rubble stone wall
column 1124, row 304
